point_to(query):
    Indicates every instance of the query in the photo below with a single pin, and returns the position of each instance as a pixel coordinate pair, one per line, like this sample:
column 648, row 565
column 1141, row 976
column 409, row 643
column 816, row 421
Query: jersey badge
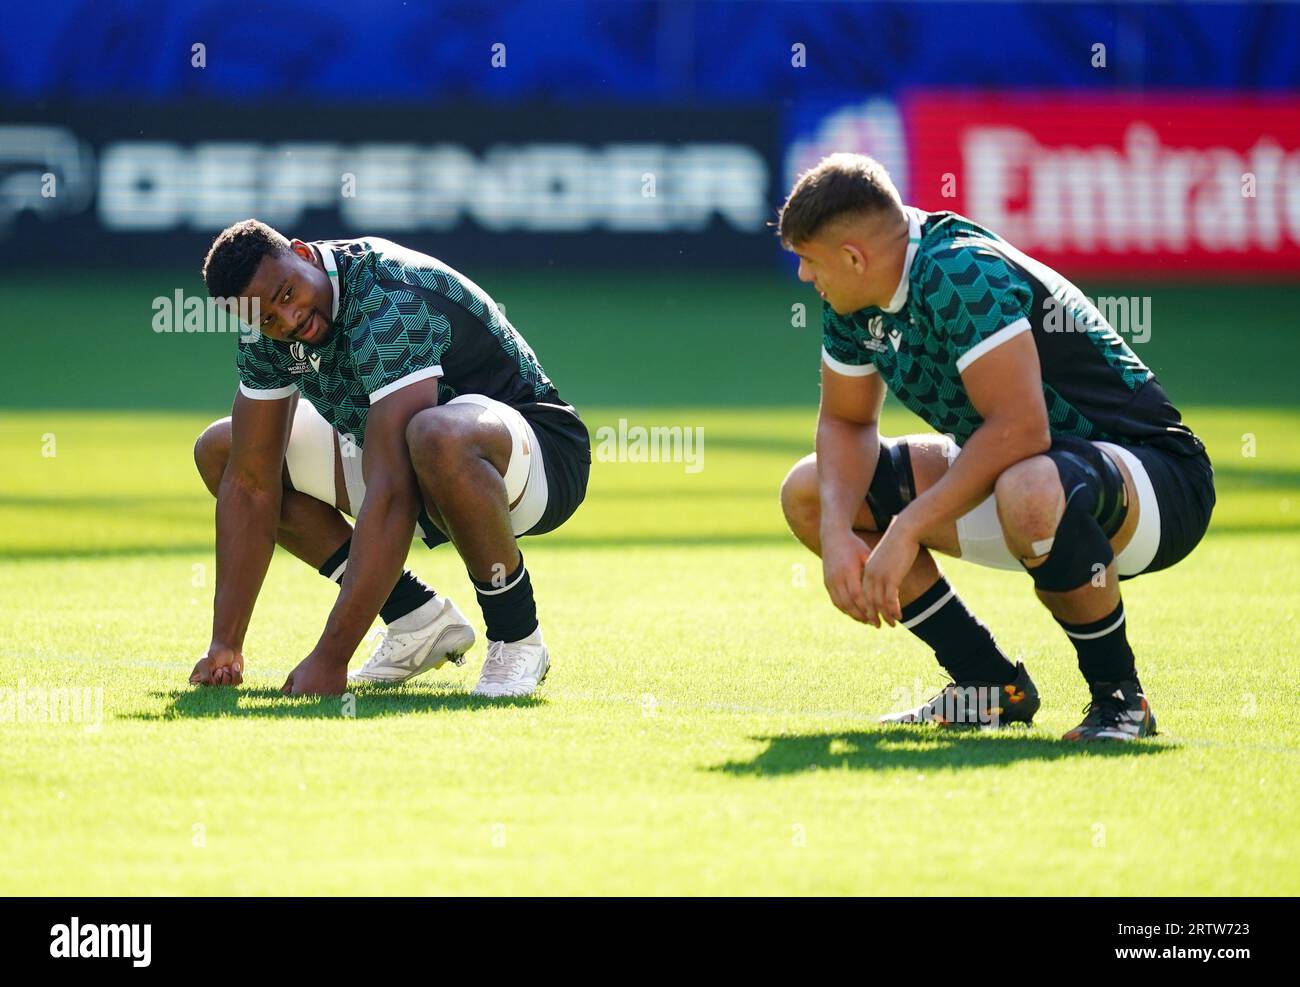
column 303, row 360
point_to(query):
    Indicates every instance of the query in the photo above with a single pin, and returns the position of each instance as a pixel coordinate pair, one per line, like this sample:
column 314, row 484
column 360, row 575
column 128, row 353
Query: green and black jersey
column 965, row 291
column 401, row 317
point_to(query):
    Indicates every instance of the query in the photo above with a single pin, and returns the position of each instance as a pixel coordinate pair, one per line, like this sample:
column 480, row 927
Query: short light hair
column 837, row 186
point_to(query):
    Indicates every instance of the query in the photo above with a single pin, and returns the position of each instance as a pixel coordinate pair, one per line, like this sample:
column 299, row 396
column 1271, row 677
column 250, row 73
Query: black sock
column 508, row 607
column 964, row 646
column 1103, row 648
column 337, row 563
column 407, row 595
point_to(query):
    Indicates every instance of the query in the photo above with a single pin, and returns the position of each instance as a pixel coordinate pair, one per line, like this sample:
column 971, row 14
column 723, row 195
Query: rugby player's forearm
column 380, row 542
column 247, row 517
column 991, row 449
column 843, row 471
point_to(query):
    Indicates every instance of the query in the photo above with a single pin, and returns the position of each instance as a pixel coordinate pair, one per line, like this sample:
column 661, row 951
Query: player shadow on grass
column 363, row 702
column 910, row 748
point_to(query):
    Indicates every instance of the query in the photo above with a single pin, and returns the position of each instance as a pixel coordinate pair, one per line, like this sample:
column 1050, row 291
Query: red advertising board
column 1171, row 184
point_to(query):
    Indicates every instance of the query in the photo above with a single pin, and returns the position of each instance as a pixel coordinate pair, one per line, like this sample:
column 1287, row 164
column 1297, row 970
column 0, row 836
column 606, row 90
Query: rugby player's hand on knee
column 220, row 666
column 316, row 677
column 843, row 558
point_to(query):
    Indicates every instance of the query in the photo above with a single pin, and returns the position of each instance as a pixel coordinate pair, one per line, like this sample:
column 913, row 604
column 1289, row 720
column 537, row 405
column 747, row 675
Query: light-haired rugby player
column 1056, row 450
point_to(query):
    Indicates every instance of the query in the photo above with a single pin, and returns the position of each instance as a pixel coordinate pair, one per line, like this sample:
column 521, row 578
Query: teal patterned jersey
column 965, row 291
column 399, row 317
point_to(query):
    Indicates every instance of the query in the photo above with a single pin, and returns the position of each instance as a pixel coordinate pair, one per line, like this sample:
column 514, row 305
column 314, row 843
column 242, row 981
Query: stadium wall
column 1164, row 186
column 1109, row 139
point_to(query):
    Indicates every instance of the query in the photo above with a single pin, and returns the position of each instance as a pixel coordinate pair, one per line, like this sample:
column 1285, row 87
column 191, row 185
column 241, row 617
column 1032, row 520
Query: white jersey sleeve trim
column 411, row 378
column 267, row 394
column 992, row 342
column 847, row 369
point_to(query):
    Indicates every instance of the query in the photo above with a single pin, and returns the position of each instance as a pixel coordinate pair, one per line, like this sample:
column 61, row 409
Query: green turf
column 672, row 338
column 708, row 726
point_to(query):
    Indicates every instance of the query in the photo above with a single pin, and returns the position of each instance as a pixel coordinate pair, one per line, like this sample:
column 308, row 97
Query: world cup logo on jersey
column 302, row 359
column 876, row 326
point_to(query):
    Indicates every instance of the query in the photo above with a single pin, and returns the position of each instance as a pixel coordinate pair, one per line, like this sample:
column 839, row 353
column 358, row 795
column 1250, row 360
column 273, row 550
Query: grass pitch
column 708, row 727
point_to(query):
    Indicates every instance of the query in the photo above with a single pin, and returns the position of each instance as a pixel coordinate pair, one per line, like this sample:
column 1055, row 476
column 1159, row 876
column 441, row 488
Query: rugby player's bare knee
column 800, row 498
column 212, row 452
column 1029, row 501
column 439, row 441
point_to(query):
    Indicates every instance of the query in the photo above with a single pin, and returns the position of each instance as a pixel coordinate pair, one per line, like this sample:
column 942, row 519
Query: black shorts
column 1183, row 484
column 1175, row 491
column 566, row 458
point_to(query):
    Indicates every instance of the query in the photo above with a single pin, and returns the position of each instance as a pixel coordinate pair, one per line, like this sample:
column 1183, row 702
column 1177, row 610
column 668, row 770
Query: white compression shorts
column 979, row 533
column 310, row 458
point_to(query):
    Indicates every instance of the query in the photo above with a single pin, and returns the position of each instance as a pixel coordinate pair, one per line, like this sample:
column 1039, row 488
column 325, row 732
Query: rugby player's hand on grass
column 843, row 558
column 884, row 574
column 220, row 666
column 317, row 677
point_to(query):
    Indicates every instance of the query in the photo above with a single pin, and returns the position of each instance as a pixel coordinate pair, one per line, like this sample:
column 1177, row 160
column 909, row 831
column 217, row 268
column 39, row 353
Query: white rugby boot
column 402, row 655
column 514, row 668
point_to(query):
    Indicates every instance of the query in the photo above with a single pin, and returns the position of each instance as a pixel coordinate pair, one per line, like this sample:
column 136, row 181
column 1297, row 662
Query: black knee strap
column 892, row 486
column 1081, row 464
column 1078, row 546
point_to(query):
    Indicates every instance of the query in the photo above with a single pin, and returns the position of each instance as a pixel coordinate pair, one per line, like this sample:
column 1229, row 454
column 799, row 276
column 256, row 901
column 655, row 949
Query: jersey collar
column 331, row 268
column 913, row 242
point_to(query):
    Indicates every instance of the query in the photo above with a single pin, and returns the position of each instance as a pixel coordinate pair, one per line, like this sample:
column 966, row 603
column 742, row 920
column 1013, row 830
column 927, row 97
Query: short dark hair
column 838, row 185
column 235, row 254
